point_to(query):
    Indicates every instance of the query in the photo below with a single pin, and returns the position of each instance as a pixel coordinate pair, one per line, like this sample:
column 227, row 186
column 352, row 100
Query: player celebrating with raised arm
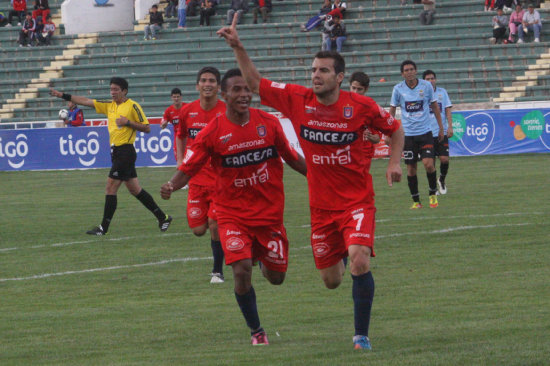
column 415, row 97
column 330, row 123
column 124, row 118
column 245, row 147
column 441, row 148
column 201, row 215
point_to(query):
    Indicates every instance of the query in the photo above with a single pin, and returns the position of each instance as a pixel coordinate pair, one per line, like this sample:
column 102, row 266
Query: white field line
column 160, row 263
column 167, row 261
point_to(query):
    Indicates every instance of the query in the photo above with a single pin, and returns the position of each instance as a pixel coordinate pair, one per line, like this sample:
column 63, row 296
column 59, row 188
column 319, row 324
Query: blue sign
column 500, row 132
column 101, row 2
column 79, row 148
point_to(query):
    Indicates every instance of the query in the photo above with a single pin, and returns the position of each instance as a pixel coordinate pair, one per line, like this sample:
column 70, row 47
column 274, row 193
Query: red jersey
column 332, row 140
column 247, row 163
column 172, row 115
column 193, row 119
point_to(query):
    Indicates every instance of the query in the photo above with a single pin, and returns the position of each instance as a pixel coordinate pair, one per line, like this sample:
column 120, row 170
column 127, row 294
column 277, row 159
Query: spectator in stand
column 489, row 5
column 75, row 118
column 208, row 8
column 500, row 21
column 27, row 30
column 192, row 7
column 337, row 34
column 41, row 9
column 338, row 8
column 317, row 19
column 263, row 7
column 237, row 6
column 3, row 19
column 155, row 24
column 506, row 5
column 427, row 16
column 182, row 13
column 170, row 10
column 530, row 22
column 515, row 22
column 45, row 35
column 38, row 29
column 19, row 9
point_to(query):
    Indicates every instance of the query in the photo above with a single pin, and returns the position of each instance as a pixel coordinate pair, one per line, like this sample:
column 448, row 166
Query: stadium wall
column 90, row 16
column 475, row 133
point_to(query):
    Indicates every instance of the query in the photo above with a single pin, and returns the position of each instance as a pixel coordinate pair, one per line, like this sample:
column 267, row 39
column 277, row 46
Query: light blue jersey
column 444, row 102
column 415, row 106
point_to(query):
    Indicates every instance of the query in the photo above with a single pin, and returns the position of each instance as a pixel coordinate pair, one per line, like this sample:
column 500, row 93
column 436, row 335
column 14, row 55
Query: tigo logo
column 15, row 151
column 85, row 149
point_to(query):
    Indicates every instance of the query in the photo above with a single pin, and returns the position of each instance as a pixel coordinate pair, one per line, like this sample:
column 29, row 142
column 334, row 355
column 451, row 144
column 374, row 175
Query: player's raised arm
column 248, row 69
column 394, row 172
column 74, row 98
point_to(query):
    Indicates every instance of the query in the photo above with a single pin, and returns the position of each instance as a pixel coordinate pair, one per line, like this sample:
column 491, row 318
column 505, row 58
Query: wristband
column 128, row 123
column 67, row 97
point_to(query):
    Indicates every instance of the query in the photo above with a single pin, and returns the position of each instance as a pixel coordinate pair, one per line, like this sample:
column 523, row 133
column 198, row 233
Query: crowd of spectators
column 516, row 27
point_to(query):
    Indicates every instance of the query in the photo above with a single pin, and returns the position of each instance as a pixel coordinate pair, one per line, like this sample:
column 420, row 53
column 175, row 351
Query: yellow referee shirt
column 129, row 109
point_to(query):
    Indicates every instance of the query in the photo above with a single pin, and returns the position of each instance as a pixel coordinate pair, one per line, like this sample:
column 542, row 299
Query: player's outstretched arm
column 74, row 98
column 248, row 69
column 394, row 172
column 298, row 165
column 178, row 181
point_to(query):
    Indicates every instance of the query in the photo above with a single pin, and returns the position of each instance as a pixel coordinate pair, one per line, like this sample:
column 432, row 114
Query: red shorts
column 200, row 205
column 332, row 232
column 267, row 244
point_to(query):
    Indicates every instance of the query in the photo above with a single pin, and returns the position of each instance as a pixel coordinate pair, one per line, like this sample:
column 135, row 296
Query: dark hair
column 339, row 63
column 175, row 91
column 428, row 72
column 123, row 83
column 211, row 70
column 407, row 62
column 361, row 78
column 155, row 6
column 228, row 75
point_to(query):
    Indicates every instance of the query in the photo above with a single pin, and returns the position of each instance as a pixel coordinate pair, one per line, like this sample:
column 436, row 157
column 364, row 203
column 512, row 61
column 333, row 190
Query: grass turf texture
column 463, row 284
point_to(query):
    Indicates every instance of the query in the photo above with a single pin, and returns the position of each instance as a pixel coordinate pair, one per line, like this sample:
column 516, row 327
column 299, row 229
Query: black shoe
column 165, row 224
column 98, row 230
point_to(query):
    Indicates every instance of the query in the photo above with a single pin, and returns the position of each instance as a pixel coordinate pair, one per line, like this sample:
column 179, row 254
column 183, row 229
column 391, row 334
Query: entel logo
column 154, row 144
column 479, row 132
column 80, row 147
column 12, row 149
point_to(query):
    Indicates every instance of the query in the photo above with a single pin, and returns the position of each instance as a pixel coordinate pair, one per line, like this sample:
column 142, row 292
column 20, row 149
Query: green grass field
column 463, row 284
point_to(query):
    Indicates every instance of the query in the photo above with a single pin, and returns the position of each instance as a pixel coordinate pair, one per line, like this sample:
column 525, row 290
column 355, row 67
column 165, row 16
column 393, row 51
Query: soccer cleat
column 98, row 230
column 361, row 342
column 165, row 224
column 217, row 278
column 260, row 339
column 442, row 187
column 433, row 201
column 416, row 205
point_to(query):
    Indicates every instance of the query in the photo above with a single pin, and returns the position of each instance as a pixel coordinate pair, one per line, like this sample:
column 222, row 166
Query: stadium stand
column 382, row 33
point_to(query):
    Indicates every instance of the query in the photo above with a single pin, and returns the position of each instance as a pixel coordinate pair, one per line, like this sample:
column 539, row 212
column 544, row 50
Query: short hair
column 407, row 62
column 175, row 91
column 228, row 75
column 210, row 69
column 361, row 78
column 29, row 13
column 155, row 6
column 428, row 72
column 123, row 83
column 339, row 62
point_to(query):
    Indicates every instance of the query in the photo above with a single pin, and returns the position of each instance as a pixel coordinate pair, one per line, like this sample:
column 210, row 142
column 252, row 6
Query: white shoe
column 442, row 187
column 493, row 40
column 217, row 278
column 520, row 40
column 8, row 25
column 537, row 40
column 18, row 24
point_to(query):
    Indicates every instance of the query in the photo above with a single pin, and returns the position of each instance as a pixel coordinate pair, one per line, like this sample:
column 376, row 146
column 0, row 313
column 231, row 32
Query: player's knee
column 332, row 283
column 275, row 278
column 199, row 230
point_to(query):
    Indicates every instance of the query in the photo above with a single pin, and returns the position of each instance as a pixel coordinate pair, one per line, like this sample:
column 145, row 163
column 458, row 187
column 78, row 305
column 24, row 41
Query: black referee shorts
column 418, row 148
column 123, row 159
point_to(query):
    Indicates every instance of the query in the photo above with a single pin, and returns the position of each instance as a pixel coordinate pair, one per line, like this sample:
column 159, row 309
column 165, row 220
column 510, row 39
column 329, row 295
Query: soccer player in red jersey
column 171, row 115
column 329, row 123
column 201, row 214
column 245, row 147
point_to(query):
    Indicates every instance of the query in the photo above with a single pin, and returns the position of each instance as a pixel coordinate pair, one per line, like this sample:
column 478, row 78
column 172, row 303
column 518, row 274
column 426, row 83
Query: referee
column 125, row 117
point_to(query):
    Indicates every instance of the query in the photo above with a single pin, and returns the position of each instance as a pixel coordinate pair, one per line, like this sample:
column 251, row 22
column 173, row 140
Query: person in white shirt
column 531, row 22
